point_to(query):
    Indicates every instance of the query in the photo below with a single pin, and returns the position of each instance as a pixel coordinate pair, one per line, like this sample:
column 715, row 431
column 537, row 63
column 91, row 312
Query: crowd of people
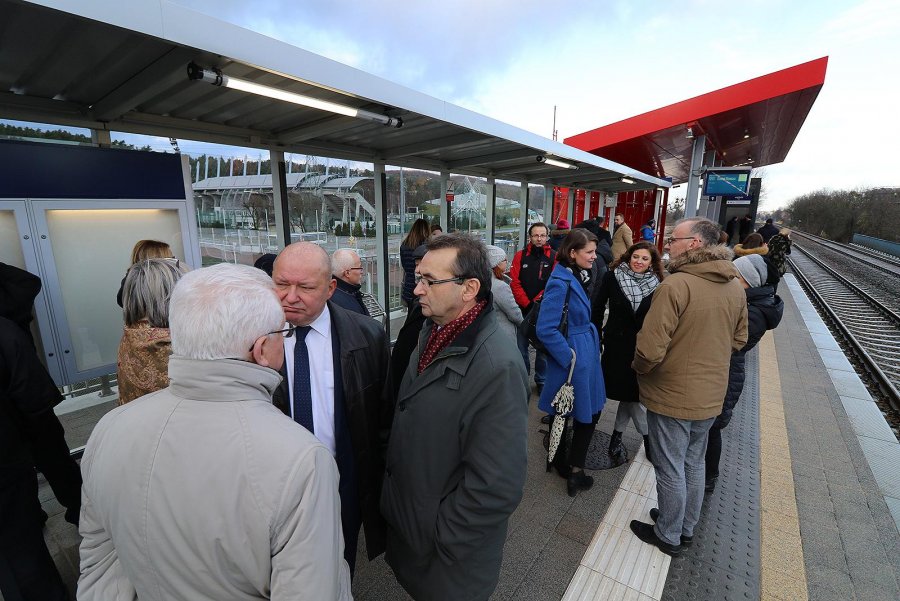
column 265, row 420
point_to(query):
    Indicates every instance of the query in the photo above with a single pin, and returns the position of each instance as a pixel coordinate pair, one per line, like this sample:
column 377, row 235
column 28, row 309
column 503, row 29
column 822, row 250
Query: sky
column 602, row 61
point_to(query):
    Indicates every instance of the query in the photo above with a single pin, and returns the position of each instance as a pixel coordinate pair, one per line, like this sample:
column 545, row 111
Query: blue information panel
column 726, row 183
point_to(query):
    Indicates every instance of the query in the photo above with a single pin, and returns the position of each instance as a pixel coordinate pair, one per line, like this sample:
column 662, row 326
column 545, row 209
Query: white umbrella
column 563, row 402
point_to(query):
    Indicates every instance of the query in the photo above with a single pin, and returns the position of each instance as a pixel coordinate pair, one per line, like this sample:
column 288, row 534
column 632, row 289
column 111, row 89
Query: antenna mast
column 554, row 123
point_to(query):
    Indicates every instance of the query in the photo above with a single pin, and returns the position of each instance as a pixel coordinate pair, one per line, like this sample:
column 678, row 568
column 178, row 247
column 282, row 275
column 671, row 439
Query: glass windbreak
column 92, row 251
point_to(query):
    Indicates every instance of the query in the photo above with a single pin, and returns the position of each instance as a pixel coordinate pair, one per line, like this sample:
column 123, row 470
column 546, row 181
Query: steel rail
column 884, row 382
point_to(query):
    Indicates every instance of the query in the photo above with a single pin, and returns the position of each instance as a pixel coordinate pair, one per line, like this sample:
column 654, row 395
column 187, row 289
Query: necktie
column 303, row 414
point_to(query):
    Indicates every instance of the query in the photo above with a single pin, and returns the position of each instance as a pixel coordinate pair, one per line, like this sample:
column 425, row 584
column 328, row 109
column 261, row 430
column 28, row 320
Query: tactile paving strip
column 724, row 561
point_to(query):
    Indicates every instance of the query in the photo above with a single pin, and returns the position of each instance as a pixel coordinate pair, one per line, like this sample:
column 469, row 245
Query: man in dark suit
column 335, row 373
column 348, row 272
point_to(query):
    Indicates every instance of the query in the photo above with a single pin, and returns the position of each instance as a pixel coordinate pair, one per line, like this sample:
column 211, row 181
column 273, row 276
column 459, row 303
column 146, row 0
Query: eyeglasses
column 419, row 279
column 285, row 333
column 672, row 239
column 355, row 269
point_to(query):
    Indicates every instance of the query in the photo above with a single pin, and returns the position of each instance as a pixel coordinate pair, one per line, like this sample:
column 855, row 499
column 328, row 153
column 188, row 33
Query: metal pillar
column 693, row 183
column 523, row 214
column 549, row 199
column 445, row 206
column 490, row 206
column 709, row 160
column 570, row 207
column 101, row 138
column 382, row 264
column 280, row 198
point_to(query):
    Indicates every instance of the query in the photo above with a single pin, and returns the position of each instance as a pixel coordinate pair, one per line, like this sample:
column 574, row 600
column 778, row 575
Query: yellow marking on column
column 783, row 573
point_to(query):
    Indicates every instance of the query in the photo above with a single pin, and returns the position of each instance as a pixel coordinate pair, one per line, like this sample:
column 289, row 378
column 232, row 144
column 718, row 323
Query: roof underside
column 751, row 123
column 122, row 67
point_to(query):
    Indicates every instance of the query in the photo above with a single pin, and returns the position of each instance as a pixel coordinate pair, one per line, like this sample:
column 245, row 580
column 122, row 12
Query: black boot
column 647, row 448
column 617, row 451
column 578, row 481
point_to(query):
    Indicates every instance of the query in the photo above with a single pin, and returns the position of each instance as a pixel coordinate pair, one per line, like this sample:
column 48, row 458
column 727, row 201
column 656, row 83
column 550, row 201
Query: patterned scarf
column 636, row 286
column 440, row 338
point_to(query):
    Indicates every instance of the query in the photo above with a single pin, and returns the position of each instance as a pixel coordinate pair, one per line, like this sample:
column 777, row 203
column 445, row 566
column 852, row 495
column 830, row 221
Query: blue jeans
column 540, row 360
column 678, row 448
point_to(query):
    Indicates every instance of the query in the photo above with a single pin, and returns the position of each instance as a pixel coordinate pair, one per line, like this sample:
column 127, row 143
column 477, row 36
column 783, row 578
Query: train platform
column 807, row 505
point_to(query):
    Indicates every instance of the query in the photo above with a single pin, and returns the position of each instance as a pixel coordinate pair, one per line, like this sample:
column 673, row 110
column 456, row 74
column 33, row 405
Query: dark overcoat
column 590, row 394
column 456, row 463
column 368, row 408
column 619, row 337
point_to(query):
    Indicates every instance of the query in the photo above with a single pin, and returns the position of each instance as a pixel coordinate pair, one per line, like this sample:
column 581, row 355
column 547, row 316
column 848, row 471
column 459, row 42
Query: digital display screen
column 726, row 183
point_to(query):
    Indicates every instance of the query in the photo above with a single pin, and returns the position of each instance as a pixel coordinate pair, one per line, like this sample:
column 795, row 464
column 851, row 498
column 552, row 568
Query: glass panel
column 92, row 249
column 10, row 242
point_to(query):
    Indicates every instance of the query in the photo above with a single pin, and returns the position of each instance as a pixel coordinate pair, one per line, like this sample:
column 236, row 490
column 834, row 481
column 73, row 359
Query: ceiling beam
column 314, row 129
column 162, row 74
column 497, row 157
column 433, row 144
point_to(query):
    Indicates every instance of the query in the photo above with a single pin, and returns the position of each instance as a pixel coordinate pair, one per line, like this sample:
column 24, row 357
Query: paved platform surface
column 805, row 511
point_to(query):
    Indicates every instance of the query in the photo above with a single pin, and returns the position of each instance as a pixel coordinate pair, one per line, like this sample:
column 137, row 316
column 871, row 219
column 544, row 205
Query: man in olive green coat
column 457, row 455
column 698, row 317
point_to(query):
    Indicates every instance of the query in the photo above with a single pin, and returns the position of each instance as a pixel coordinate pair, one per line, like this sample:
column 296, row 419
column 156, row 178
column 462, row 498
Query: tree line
column 838, row 214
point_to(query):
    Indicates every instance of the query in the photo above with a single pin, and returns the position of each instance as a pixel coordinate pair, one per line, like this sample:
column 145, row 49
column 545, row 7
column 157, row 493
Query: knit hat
column 753, row 269
column 562, row 224
column 419, row 251
column 496, row 255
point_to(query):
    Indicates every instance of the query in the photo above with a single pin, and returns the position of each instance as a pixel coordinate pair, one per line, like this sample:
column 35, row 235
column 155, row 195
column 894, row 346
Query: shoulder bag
column 528, row 327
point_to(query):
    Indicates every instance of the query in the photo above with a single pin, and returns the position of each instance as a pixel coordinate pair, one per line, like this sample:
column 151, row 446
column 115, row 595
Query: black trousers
column 581, row 440
column 713, row 453
column 27, row 571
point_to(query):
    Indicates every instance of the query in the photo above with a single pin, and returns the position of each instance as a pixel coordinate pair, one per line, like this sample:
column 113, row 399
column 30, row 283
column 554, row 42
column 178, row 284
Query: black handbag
column 528, row 326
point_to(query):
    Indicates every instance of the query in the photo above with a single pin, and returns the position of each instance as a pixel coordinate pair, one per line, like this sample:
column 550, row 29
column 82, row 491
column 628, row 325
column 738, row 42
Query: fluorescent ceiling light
column 626, row 180
column 554, row 162
column 217, row 78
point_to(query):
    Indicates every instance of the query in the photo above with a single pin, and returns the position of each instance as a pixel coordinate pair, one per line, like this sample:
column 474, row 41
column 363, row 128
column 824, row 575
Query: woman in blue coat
column 571, row 279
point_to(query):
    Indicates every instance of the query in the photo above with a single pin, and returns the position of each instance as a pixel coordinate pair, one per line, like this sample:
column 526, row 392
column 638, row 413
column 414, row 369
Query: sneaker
column 686, row 541
column 646, row 533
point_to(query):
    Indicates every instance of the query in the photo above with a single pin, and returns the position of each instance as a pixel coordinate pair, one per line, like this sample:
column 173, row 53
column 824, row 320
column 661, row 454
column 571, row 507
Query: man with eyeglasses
column 203, row 490
column 531, row 268
column 335, row 375
column 456, row 461
column 698, row 317
column 347, row 270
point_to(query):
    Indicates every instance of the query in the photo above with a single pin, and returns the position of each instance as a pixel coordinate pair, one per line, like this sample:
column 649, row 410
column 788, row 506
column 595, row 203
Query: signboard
column 729, row 182
column 449, row 194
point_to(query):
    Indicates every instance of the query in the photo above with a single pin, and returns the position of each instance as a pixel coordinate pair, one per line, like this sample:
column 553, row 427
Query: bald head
column 302, row 276
column 304, row 252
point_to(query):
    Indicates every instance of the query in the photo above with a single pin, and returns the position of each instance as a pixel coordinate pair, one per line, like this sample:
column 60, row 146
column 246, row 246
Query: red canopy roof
column 754, row 122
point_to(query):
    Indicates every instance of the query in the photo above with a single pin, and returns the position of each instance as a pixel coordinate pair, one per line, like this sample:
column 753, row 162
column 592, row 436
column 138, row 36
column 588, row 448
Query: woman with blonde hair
column 143, row 362
column 145, row 249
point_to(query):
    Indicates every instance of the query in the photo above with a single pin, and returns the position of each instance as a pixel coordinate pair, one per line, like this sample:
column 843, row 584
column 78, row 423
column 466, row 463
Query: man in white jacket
column 204, row 490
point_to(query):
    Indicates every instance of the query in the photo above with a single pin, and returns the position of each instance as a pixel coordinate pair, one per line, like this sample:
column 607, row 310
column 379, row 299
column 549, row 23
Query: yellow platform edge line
column 782, row 569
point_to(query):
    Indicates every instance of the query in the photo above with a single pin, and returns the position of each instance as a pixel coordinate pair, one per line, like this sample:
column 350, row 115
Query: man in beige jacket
column 698, row 317
column 204, row 490
column 622, row 237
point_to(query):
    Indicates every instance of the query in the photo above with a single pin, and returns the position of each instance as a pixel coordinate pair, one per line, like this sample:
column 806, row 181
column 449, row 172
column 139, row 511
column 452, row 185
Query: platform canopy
column 751, row 123
column 122, row 66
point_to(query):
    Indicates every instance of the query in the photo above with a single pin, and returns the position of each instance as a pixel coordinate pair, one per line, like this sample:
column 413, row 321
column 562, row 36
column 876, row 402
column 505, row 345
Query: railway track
column 869, row 327
column 878, row 260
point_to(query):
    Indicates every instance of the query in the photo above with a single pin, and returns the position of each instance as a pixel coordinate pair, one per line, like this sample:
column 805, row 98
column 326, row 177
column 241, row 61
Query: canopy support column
column 523, row 214
column 490, row 207
column 382, row 262
column 693, row 183
column 280, row 198
column 445, row 206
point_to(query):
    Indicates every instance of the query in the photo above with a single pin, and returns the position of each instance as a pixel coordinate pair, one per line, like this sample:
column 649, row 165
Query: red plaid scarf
column 440, row 338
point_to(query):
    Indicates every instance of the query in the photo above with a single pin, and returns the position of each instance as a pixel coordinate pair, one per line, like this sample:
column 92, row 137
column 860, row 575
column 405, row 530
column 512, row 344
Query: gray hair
column 703, row 228
column 343, row 259
column 147, row 289
column 218, row 312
